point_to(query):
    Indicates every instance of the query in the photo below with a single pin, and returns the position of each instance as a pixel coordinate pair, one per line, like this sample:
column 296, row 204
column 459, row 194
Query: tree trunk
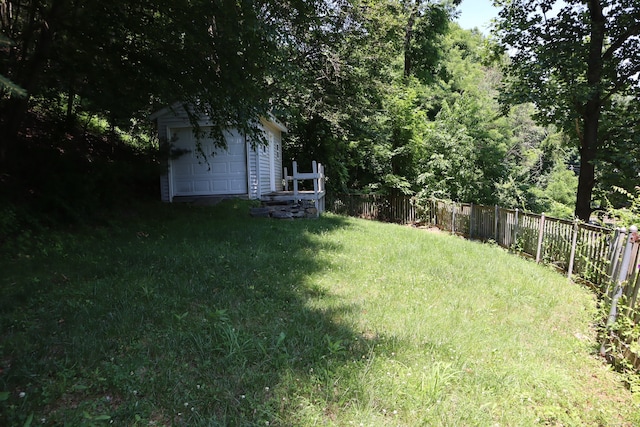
column 586, row 181
column 408, row 37
column 591, row 112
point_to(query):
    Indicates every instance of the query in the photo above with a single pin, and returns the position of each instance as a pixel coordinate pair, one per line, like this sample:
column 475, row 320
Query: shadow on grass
column 180, row 315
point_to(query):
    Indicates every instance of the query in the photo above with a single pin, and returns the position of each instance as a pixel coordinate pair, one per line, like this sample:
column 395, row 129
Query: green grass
column 181, row 315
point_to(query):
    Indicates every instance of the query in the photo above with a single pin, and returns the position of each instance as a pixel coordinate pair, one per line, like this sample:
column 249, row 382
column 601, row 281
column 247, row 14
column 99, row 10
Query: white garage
column 238, row 170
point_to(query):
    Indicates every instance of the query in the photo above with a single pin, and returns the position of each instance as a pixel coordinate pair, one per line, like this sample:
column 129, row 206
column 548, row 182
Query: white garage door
column 222, row 173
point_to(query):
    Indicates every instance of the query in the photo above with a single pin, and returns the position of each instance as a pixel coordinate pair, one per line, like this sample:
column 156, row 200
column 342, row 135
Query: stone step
column 284, row 211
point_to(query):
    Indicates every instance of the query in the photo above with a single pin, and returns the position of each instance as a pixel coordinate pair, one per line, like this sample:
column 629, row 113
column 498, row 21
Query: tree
column 7, row 85
column 124, row 58
column 425, row 22
column 465, row 151
column 332, row 84
column 571, row 65
column 621, row 166
column 351, row 101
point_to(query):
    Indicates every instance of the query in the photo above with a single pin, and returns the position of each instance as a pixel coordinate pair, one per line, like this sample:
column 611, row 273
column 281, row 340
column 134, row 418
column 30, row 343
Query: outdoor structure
column 296, row 202
column 240, row 170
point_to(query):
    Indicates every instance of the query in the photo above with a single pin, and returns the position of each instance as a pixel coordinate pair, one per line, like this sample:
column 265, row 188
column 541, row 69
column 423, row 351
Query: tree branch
column 633, row 30
column 620, row 82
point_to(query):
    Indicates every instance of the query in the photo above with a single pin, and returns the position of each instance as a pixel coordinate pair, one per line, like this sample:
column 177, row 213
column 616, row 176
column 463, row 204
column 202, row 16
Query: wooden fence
column 608, row 259
column 400, row 210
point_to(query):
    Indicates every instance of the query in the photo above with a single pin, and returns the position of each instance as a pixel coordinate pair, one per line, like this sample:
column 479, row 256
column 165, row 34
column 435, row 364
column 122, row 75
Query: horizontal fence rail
column 608, row 259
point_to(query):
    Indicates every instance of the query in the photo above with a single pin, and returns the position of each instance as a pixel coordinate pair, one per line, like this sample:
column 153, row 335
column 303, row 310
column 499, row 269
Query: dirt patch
column 428, row 228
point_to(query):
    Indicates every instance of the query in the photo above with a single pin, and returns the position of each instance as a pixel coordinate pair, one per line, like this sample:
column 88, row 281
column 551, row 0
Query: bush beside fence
column 606, row 258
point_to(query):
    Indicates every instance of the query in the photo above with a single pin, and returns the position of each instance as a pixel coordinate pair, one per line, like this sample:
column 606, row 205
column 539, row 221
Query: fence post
column 636, row 282
column 453, row 218
column 434, row 212
column 540, row 238
column 616, row 247
column 295, row 178
column 495, row 226
column 622, row 277
column 515, row 231
column 471, row 222
column 572, row 257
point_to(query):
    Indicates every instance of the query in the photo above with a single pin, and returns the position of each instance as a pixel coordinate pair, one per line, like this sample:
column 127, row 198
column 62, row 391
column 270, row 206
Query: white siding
column 270, row 157
column 164, row 188
column 166, row 119
column 253, row 173
column 277, row 152
column 264, row 167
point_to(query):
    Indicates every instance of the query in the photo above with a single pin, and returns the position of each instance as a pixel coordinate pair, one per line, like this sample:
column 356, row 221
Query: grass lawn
column 183, row 315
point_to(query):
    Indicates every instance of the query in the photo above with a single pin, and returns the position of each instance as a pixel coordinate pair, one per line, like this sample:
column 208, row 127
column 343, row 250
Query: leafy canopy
column 574, row 60
column 121, row 59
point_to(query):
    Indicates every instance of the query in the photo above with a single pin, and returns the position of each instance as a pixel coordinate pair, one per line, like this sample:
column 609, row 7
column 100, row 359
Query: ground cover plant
column 200, row 315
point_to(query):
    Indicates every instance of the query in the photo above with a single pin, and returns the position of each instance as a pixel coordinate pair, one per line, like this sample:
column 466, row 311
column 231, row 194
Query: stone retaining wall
column 286, row 210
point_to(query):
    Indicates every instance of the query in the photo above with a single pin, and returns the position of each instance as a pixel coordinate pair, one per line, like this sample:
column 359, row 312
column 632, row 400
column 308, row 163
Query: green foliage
column 121, row 61
column 6, row 85
column 574, row 61
column 333, row 88
column 352, row 106
column 562, row 186
column 618, row 163
column 8, row 221
column 379, row 129
column 621, row 338
column 391, row 96
column 72, row 176
column 406, row 128
column 629, row 213
column 556, row 196
column 464, row 152
column 534, row 152
column 426, row 22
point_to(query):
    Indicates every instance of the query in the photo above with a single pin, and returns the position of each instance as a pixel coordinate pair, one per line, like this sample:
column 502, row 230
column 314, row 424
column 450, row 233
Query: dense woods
column 391, row 95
